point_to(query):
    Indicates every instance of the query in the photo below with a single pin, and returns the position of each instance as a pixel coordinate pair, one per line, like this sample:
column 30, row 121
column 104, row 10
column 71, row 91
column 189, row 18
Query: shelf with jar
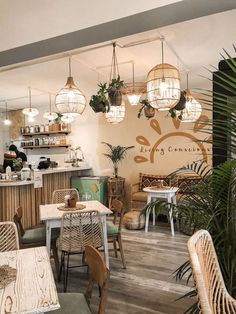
column 45, row 142
column 45, row 129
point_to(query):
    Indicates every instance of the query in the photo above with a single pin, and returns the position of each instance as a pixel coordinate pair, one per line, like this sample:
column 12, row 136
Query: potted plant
column 99, row 102
column 149, row 111
column 114, row 91
column 115, row 154
column 55, row 124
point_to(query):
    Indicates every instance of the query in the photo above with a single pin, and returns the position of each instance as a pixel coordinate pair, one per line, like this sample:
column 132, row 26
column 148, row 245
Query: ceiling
column 190, row 45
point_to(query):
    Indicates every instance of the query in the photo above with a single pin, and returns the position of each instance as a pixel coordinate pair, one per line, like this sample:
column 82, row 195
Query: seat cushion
column 139, row 197
column 112, row 229
column 38, row 235
column 134, row 220
column 72, row 303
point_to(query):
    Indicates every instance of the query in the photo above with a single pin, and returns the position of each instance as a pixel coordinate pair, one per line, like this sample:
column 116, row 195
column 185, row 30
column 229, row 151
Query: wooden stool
column 133, row 220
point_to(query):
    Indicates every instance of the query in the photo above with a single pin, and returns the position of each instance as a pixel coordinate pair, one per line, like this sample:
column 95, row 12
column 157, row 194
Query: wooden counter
column 23, row 193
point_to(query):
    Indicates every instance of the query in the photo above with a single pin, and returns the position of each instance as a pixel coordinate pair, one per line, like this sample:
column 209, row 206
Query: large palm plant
column 211, row 204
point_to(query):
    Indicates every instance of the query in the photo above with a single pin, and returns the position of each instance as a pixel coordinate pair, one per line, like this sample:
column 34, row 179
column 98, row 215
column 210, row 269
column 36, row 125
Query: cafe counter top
column 31, row 194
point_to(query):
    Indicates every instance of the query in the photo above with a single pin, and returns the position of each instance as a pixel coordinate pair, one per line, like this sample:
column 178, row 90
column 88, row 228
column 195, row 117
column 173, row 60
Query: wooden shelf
column 46, row 133
column 46, row 146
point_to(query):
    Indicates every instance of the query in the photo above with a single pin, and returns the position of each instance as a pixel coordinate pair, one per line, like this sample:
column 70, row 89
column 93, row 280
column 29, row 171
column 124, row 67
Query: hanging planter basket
column 149, row 112
column 115, row 97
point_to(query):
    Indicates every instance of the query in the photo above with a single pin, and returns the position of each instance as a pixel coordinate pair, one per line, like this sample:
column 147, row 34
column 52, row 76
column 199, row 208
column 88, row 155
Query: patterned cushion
column 184, row 182
column 146, row 180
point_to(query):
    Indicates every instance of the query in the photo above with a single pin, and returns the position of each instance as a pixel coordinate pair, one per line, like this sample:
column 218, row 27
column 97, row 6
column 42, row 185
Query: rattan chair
column 9, row 240
column 114, row 228
column 98, row 273
column 212, row 294
column 78, row 229
column 34, row 237
column 58, row 196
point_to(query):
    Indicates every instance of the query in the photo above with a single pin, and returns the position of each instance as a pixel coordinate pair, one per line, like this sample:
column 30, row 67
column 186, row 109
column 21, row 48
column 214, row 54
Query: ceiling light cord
column 133, row 77
column 6, row 110
column 114, row 64
column 69, row 66
column 30, row 106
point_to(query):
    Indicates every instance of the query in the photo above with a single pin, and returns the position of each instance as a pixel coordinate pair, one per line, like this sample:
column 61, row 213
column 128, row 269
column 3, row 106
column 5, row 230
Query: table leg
column 104, row 228
column 171, row 216
column 147, row 213
column 153, row 216
column 48, row 236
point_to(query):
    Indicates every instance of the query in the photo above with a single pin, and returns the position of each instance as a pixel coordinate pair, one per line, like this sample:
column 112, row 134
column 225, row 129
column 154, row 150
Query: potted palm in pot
column 116, row 154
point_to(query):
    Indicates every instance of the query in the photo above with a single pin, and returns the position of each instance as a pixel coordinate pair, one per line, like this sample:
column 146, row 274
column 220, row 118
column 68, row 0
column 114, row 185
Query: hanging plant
column 149, row 111
column 182, row 101
column 99, row 102
column 115, row 83
column 177, row 111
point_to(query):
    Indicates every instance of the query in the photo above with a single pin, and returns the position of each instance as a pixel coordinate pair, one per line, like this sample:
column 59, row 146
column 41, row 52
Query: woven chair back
column 58, row 196
column 9, row 240
column 98, row 273
column 80, row 229
column 212, row 294
column 118, row 210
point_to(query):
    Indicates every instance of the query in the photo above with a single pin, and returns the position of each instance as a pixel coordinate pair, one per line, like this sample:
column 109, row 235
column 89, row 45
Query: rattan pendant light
column 50, row 115
column 30, row 112
column 116, row 114
column 70, row 100
column 163, row 85
column 7, row 121
column 134, row 90
column 193, row 108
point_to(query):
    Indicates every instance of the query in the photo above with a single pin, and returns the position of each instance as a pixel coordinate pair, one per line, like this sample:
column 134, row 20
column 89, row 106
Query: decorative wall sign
column 194, row 144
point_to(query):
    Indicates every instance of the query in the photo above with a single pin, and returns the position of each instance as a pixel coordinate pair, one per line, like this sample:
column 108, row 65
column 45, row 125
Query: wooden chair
column 58, row 196
column 78, row 229
column 34, row 237
column 9, row 240
column 98, row 273
column 212, row 294
column 114, row 228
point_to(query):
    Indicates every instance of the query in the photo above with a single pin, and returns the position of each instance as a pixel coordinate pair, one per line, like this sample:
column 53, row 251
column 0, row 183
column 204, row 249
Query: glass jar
column 32, row 129
column 37, row 129
column 42, row 129
column 27, row 129
column 46, row 127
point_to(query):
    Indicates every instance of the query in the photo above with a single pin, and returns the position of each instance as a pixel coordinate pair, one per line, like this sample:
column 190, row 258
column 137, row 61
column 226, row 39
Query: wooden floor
column 147, row 285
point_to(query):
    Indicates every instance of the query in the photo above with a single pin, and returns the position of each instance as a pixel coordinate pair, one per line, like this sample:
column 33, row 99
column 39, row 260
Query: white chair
column 58, row 196
column 9, row 240
column 78, row 229
column 212, row 294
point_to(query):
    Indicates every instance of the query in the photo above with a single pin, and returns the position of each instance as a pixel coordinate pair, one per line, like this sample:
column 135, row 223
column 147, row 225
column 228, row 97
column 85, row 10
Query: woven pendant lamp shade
column 163, row 86
column 70, row 99
column 116, row 114
column 193, row 109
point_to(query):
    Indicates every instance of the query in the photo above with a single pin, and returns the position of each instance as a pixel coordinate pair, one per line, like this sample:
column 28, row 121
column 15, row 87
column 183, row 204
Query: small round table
column 155, row 193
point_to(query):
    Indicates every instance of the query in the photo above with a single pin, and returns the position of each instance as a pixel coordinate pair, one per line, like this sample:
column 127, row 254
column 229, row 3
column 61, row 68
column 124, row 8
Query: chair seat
column 112, row 229
column 38, row 235
column 72, row 303
column 139, row 196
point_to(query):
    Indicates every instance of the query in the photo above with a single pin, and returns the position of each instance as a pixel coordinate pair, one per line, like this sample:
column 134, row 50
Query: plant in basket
column 73, row 199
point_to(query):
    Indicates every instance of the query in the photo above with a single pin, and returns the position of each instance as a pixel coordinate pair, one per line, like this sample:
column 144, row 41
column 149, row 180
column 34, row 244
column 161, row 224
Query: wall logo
column 157, row 148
